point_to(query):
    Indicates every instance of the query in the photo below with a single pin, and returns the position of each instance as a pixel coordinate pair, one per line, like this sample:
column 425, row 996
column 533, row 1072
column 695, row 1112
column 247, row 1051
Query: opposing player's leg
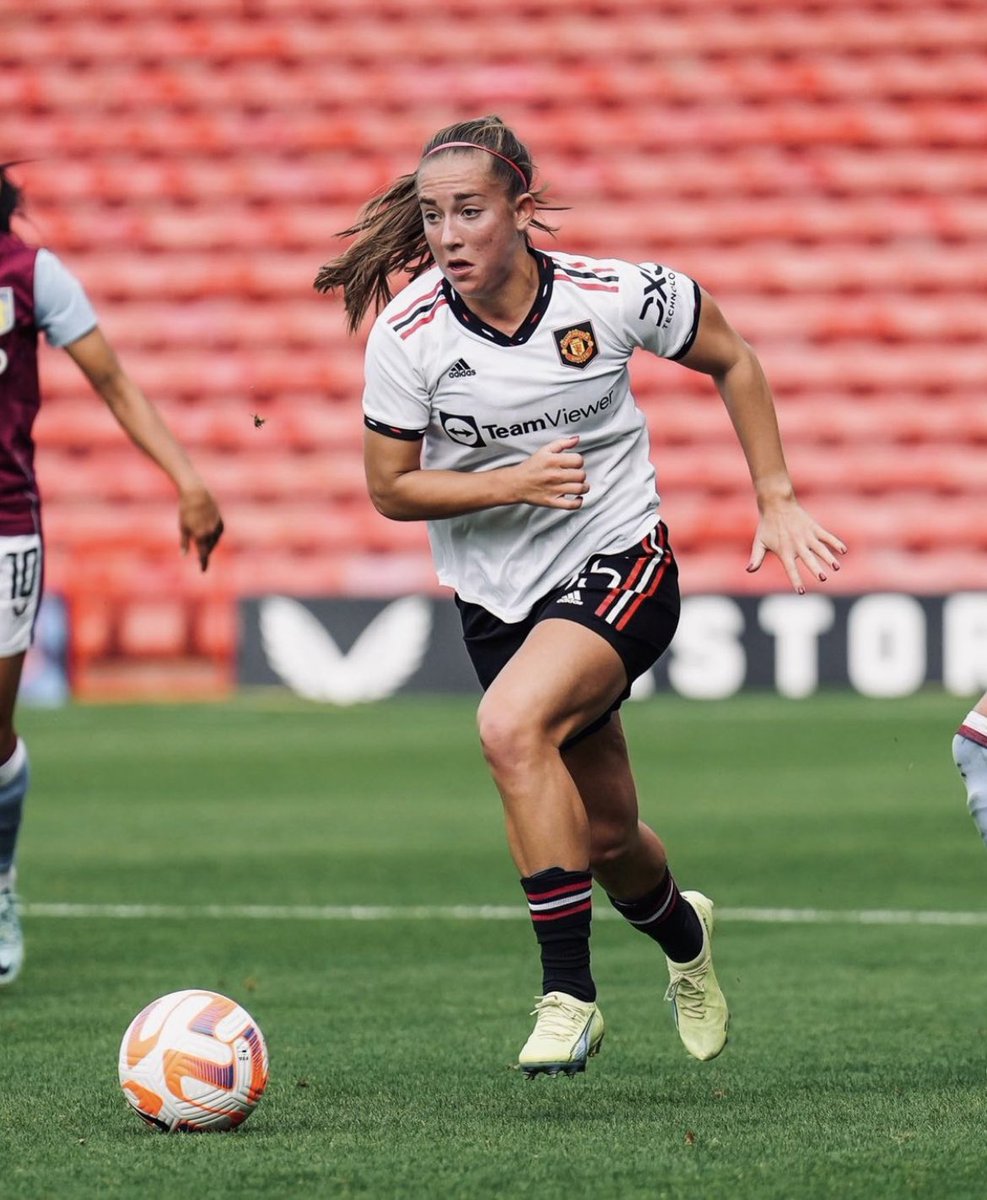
column 970, row 756
column 14, row 778
column 21, row 559
column 629, row 860
column 561, row 679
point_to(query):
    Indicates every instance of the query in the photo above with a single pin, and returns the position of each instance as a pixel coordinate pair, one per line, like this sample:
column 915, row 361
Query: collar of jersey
column 543, row 297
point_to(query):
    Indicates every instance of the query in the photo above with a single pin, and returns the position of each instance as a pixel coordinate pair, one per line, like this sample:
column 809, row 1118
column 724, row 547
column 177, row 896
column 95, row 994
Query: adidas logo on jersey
column 571, row 598
column 460, row 369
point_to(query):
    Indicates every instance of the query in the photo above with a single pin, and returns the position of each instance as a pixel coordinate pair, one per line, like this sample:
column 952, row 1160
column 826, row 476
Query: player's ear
column 524, row 211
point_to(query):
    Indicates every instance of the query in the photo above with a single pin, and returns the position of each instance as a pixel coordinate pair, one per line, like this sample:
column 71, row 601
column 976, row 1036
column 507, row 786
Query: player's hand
column 788, row 531
column 199, row 522
column 553, row 477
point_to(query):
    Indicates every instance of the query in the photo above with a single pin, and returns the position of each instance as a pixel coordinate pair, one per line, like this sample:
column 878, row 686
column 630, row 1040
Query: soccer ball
column 193, row 1061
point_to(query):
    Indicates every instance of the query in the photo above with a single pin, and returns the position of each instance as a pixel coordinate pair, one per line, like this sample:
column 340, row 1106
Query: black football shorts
column 631, row 599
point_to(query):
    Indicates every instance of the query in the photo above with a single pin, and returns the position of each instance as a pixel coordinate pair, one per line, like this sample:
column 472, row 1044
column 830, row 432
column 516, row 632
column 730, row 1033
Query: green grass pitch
column 857, row 1066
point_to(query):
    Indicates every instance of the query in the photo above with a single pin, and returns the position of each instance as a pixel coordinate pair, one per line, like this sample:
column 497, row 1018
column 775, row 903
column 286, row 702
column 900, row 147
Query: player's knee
column 508, row 736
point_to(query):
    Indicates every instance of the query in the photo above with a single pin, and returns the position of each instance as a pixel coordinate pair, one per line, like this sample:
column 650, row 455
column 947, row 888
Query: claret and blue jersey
column 37, row 293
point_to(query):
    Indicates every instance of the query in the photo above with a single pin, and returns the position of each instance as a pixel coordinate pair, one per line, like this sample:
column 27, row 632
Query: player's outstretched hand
column 788, row 531
column 553, row 477
column 199, row 522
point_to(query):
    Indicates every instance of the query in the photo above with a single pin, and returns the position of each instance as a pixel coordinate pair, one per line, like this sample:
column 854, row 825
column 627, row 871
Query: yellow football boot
column 700, row 1008
column 567, row 1032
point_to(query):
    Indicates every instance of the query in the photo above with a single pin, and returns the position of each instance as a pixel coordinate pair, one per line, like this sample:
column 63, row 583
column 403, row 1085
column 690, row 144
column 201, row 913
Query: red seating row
column 478, row 38
column 826, row 78
column 323, row 477
column 124, row 572
column 628, row 10
column 250, row 372
column 308, row 132
column 350, row 178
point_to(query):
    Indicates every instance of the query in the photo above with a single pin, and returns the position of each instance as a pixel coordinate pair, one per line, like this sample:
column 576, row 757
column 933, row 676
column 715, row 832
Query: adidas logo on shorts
column 460, row 369
column 571, row 598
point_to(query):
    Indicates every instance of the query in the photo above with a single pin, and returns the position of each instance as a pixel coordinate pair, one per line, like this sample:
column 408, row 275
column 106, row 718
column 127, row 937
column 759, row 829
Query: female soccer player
column 37, row 293
column 498, row 409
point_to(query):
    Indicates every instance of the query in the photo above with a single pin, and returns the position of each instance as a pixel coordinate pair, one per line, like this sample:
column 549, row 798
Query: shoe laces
column 555, row 1016
column 688, row 992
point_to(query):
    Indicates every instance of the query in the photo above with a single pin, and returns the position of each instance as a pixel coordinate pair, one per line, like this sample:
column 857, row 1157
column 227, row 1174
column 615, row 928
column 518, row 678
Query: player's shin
column 970, row 756
column 14, row 778
column 561, row 907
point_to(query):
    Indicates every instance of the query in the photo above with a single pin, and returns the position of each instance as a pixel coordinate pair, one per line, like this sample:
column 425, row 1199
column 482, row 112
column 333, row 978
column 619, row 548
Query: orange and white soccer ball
column 193, row 1061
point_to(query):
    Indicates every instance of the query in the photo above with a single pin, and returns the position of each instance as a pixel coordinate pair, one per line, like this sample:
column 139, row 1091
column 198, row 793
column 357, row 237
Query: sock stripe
column 566, row 912
column 537, row 897
column 650, row 907
column 974, row 735
column 659, row 912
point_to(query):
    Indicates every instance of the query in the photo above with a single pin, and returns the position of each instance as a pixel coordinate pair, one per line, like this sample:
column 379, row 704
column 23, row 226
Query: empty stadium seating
column 818, row 167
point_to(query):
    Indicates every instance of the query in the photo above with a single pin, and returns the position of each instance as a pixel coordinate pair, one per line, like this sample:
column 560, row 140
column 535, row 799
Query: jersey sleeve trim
column 75, row 337
column 393, row 431
column 686, row 346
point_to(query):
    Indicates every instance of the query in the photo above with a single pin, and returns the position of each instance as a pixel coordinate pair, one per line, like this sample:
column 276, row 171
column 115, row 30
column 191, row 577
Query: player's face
column 474, row 230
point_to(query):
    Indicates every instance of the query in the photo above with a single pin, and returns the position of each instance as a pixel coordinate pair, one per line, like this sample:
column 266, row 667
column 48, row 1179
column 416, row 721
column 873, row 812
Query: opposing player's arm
column 199, row 518
column 400, row 488
column 785, row 527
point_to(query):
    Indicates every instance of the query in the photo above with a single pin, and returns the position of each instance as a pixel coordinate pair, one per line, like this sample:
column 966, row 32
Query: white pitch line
column 484, row 912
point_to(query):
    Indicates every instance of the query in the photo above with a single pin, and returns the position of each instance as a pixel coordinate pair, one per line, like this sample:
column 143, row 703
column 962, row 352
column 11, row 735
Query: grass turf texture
column 856, row 1066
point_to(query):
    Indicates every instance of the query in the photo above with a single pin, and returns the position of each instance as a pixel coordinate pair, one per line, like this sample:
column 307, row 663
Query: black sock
column 561, row 907
column 663, row 915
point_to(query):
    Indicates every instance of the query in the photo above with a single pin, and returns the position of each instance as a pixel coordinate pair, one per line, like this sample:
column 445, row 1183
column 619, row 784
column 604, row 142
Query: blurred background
column 818, row 167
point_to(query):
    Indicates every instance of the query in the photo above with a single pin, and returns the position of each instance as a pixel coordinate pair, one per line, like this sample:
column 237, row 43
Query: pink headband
column 476, row 146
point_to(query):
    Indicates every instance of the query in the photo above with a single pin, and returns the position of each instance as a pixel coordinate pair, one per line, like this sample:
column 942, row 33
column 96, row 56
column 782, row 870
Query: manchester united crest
column 576, row 345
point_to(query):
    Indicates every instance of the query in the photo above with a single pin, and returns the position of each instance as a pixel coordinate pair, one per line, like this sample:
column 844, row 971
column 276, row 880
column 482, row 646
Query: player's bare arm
column 198, row 514
column 785, row 528
column 400, row 488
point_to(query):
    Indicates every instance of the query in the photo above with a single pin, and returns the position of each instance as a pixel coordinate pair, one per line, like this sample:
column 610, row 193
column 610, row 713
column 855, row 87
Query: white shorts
column 21, row 560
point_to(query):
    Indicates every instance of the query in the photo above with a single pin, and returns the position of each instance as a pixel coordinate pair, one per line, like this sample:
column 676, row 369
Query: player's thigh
column 21, row 573
column 562, row 677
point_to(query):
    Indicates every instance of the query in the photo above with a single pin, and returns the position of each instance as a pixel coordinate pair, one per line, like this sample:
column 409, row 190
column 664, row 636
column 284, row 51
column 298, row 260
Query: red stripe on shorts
column 633, row 607
column 639, row 564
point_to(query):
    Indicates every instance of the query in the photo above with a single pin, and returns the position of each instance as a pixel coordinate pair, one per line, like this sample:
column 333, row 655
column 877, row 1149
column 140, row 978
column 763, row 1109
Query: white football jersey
column 482, row 400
